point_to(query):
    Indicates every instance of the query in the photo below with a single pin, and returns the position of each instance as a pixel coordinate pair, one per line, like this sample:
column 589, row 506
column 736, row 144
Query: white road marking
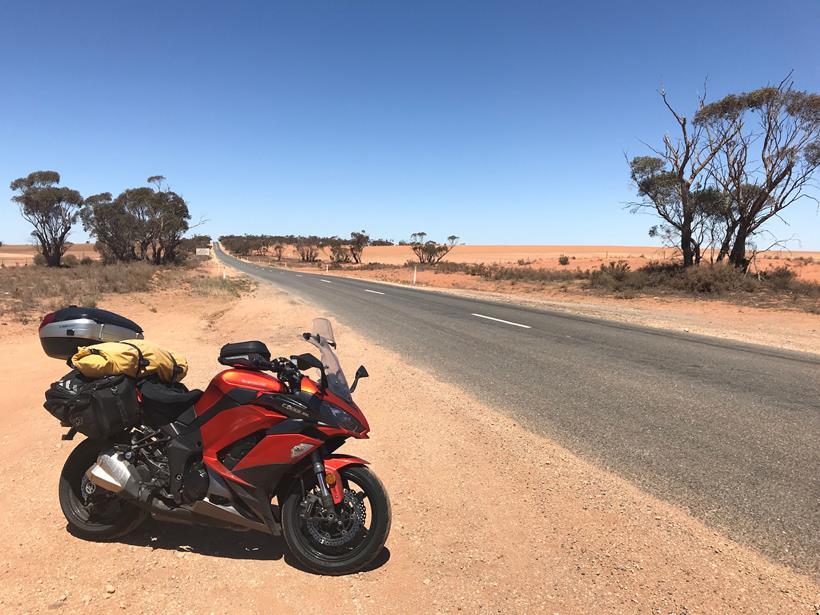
column 325, row 281
column 298, row 275
column 506, row 322
column 375, row 292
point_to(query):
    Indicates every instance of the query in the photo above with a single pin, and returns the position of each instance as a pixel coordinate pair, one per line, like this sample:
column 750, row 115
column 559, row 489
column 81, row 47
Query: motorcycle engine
column 195, row 483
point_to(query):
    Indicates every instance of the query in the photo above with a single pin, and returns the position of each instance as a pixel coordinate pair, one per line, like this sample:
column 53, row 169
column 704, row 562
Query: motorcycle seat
column 169, row 400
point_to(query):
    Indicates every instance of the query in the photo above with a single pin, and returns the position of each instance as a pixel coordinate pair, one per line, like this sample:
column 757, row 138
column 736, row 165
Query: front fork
column 330, row 494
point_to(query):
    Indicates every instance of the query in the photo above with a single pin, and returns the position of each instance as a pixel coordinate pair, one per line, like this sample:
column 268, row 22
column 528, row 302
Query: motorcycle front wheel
column 92, row 512
column 347, row 543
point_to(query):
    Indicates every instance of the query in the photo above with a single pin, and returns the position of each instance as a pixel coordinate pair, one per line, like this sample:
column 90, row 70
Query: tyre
column 92, row 512
column 350, row 542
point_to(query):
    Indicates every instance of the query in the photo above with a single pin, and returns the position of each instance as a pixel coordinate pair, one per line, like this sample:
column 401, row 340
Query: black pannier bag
column 99, row 408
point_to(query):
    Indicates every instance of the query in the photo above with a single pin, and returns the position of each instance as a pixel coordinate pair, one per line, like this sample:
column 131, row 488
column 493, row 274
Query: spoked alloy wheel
column 92, row 512
column 347, row 543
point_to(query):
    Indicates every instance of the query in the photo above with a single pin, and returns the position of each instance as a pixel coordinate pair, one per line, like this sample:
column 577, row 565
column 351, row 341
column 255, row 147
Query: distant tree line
column 140, row 224
column 308, row 247
column 739, row 162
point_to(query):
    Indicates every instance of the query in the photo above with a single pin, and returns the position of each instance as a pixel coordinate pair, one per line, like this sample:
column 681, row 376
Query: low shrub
column 563, row 259
column 39, row 260
column 221, row 287
column 32, row 291
column 780, row 278
column 69, row 260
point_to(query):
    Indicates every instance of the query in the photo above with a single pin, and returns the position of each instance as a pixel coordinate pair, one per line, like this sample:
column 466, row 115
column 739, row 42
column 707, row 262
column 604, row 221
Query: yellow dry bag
column 135, row 358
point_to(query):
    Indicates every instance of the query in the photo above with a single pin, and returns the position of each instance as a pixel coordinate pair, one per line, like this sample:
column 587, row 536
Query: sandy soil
column 17, row 255
column 488, row 518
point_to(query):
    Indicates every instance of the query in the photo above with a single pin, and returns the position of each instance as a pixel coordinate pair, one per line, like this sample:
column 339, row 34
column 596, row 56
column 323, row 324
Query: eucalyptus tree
column 51, row 209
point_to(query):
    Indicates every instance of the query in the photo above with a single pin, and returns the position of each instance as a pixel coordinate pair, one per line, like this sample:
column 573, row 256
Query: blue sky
column 502, row 122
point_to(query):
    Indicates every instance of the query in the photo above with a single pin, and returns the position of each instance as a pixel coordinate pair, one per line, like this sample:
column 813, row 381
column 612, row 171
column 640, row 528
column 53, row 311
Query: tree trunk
column 725, row 245
column 686, row 246
column 54, row 258
column 737, row 257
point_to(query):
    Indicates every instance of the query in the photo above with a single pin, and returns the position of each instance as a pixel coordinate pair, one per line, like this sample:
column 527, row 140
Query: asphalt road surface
column 729, row 431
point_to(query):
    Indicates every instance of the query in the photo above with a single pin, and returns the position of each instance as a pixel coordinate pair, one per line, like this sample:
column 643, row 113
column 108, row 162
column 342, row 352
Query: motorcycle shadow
column 207, row 541
column 216, row 542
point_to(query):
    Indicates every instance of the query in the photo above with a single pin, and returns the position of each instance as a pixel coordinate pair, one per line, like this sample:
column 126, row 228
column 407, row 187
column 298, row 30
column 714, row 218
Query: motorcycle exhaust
column 114, row 473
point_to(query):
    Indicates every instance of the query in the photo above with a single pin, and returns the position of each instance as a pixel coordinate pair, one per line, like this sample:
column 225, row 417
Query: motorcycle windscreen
column 321, row 336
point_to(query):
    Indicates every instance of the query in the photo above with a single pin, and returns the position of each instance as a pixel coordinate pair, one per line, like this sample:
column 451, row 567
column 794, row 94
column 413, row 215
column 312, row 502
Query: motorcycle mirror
column 360, row 373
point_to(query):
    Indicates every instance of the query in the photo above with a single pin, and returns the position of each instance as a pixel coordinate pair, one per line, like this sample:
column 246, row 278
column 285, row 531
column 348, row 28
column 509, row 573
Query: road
column 728, row 431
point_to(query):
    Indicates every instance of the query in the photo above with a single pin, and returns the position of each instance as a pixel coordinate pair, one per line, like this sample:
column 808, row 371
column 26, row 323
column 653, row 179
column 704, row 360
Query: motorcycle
column 223, row 456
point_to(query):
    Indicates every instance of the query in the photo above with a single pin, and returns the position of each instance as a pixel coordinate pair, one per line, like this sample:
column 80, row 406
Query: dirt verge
column 488, row 518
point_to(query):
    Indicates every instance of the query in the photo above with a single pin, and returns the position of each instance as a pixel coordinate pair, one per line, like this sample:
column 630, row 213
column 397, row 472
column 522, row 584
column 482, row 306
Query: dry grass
column 209, row 286
column 28, row 292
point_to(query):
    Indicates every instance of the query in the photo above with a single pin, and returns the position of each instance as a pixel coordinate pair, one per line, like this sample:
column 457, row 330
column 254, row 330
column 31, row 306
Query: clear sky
column 500, row 122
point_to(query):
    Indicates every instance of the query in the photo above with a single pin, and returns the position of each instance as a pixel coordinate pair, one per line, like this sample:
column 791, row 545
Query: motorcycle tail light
column 47, row 320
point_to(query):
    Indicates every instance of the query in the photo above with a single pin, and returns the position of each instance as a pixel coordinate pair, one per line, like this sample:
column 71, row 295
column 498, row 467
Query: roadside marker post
column 415, row 270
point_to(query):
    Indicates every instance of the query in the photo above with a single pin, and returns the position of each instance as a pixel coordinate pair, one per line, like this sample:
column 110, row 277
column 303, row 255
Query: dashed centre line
column 506, row 322
column 375, row 292
column 325, row 281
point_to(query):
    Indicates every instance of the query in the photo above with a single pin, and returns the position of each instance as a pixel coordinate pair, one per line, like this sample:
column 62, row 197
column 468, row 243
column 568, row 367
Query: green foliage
column 430, row 252
column 340, row 253
column 140, row 224
column 740, row 163
column 308, row 252
column 69, row 260
column 563, row 259
column 52, row 211
column 358, row 242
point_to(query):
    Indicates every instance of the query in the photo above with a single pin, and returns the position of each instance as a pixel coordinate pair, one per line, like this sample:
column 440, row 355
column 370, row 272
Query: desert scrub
column 778, row 287
column 28, row 292
column 767, row 289
column 511, row 273
column 209, row 286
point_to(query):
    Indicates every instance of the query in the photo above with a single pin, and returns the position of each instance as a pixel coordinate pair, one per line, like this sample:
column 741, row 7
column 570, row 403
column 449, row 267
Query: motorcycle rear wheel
column 99, row 515
column 315, row 549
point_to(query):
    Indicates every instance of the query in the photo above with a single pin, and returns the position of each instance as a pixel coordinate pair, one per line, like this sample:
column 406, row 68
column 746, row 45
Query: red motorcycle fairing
column 231, row 420
column 241, row 404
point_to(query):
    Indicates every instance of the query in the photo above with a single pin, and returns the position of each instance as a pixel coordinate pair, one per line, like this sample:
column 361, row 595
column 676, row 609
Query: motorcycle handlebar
column 287, row 372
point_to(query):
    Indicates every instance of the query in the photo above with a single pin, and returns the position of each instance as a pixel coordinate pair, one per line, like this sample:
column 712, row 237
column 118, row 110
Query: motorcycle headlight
column 337, row 417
